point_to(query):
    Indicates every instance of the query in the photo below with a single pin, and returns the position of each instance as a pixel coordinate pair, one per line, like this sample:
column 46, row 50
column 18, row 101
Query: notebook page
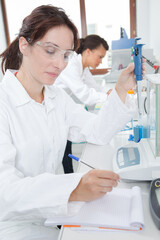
column 112, row 210
column 136, row 212
column 102, row 211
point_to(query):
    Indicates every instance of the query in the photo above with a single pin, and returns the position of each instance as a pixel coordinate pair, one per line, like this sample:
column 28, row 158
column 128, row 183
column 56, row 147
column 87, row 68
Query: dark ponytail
column 91, row 42
column 34, row 27
column 81, row 43
column 11, row 57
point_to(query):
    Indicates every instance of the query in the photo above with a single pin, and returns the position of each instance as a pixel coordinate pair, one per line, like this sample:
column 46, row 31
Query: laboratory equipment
column 150, row 63
column 127, row 156
column 120, row 58
column 148, row 168
column 154, row 201
column 124, row 42
column 141, row 131
column 137, row 58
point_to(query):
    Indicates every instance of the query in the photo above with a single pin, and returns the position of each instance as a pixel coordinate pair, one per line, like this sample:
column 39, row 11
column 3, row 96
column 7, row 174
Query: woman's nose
column 60, row 63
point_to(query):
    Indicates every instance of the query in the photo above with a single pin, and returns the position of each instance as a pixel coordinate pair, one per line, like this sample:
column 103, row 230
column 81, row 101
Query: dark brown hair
column 91, row 42
column 34, row 27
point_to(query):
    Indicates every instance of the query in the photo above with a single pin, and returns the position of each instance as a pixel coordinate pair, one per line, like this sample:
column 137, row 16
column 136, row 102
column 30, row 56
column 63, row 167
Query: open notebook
column 120, row 209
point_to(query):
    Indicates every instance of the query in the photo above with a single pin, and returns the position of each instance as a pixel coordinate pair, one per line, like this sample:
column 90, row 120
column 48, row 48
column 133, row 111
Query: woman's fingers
column 106, row 189
column 94, row 184
column 105, row 174
column 107, row 182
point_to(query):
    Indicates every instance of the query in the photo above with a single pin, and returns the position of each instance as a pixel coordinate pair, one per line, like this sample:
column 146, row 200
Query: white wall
column 148, row 18
column 154, row 28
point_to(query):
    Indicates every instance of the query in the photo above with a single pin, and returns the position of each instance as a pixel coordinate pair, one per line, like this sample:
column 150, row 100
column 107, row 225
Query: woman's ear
column 23, row 45
column 88, row 51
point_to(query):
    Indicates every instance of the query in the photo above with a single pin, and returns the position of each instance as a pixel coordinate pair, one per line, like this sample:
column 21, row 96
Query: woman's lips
column 52, row 74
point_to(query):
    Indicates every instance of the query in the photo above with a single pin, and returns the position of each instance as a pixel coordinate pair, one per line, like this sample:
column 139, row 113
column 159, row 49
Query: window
column 16, row 14
column 106, row 18
column 102, row 17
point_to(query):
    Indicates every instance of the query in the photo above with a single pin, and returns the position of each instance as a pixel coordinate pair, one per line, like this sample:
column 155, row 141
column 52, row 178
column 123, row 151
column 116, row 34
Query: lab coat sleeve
column 71, row 78
column 100, row 128
column 91, row 83
column 30, row 198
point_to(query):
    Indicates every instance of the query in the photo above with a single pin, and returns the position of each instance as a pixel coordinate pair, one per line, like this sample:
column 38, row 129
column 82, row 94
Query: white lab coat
column 79, row 83
column 32, row 143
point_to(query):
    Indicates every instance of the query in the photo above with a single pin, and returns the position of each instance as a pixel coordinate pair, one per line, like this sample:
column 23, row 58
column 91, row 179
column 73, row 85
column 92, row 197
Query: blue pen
column 73, row 157
column 77, row 159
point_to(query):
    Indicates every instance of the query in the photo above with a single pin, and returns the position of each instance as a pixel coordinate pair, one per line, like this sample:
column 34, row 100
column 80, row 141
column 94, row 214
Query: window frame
column 132, row 18
column 5, row 21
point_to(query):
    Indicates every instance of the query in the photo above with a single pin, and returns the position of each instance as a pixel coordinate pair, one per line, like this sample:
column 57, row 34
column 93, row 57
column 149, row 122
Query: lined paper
column 119, row 209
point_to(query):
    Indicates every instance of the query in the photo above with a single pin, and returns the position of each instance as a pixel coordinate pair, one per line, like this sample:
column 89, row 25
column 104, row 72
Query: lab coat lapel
column 49, row 98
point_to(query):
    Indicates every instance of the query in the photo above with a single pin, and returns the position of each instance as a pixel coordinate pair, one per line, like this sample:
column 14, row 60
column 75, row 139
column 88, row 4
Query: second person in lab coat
column 78, row 81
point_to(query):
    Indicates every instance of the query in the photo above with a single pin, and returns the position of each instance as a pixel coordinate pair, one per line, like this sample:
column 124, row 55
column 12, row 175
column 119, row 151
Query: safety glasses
column 52, row 51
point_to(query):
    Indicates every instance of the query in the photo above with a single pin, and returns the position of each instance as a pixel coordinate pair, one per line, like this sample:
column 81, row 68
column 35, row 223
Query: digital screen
column 158, row 194
column 131, row 153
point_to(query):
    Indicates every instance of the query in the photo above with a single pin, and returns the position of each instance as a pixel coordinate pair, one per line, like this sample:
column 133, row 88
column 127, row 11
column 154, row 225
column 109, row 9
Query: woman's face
column 95, row 56
column 48, row 57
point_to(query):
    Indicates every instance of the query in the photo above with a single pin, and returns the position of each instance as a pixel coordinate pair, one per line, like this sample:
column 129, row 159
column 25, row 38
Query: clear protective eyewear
column 52, row 51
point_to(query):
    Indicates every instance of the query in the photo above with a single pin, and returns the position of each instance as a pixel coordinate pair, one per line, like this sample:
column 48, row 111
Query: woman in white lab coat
column 77, row 79
column 35, row 122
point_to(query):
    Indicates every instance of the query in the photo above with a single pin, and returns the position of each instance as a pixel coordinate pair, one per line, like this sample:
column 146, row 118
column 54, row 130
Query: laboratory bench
column 101, row 157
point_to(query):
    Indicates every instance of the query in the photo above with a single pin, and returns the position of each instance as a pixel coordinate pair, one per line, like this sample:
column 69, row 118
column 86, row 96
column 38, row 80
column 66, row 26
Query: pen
column 77, row 159
column 73, row 157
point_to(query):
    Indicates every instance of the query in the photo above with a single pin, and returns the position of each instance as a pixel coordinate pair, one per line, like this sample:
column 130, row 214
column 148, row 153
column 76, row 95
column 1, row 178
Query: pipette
column 137, row 57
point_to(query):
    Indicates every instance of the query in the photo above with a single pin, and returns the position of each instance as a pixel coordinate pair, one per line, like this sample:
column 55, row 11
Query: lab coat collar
column 49, row 92
column 83, row 71
column 49, row 95
column 80, row 63
column 15, row 89
column 20, row 96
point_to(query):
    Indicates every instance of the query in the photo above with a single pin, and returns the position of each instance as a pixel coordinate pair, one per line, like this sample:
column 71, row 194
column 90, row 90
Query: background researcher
column 77, row 80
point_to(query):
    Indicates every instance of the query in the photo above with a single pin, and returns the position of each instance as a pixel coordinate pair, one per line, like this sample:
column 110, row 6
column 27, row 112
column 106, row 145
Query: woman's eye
column 51, row 50
column 66, row 55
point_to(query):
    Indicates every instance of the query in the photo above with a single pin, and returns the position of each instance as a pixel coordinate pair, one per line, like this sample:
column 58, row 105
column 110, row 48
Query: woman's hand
column 126, row 81
column 94, row 184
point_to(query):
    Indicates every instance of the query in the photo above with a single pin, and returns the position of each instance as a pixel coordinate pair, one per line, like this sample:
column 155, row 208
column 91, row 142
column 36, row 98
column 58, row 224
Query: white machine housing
column 149, row 149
